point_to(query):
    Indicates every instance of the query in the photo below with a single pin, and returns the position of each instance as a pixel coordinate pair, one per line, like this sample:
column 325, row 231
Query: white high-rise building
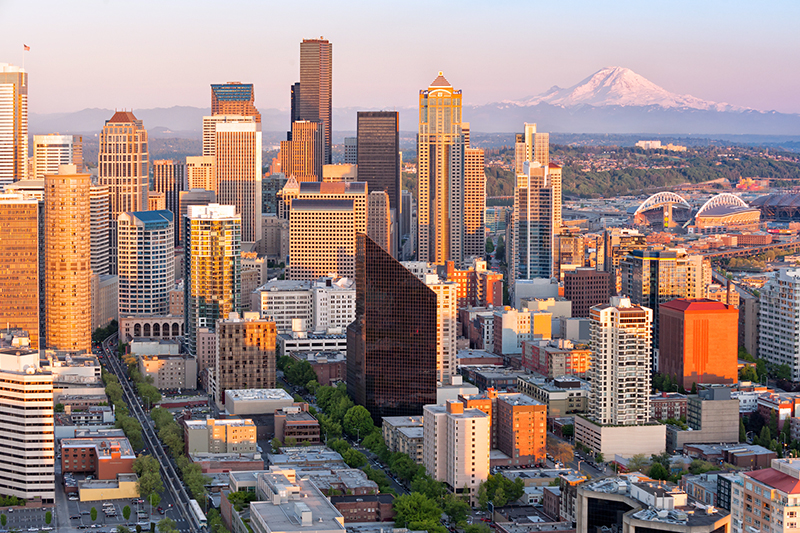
column 50, row 151
column 456, row 444
column 13, row 124
column 146, row 262
column 238, row 173
column 26, row 427
column 210, row 124
column 99, row 199
column 779, row 321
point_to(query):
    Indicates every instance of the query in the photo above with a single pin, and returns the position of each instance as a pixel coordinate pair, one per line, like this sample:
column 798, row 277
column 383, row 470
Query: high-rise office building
column 19, row 264
column 442, row 143
column 238, row 168
column 51, row 151
column 303, row 155
column 619, row 399
column 474, row 204
column 146, row 262
column 99, row 199
column 391, row 345
column 213, row 265
column 533, row 146
column 530, row 249
column 316, row 83
column 617, row 244
column 67, row 261
column 652, row 277
column 697, row 344
column 156, row 201
column 351, row 149
column 379, row 221
column 27, row 441
column 124, row 166
column 210, row 130
column 322, row 239
column 13, row 123
column 234, row 98
column 779, row 321
column 351, row 190
column 378, row 157
column 200, row 173
column 585, row 288
column 456, row 445
column 246, row 356
column 270, row 187
column 295, row 111
column 169, row 177
column 189, row 198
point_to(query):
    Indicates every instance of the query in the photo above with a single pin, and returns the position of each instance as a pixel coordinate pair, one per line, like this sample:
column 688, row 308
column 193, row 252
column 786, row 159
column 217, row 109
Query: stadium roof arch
column 724, row 199
column 661, row 199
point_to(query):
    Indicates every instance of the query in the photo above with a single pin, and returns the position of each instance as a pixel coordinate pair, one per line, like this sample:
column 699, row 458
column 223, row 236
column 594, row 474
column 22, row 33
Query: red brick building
column 698, row 341
column 585, row 288
column 103, row 456
column 556, row 358
column 365, row 508
column 668, row 405
column 296, row 423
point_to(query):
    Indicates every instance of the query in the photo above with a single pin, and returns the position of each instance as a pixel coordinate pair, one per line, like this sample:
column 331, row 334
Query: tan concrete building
column 105, row 300
column 275, row 238
column 170, row 371
column 250, row 282
column 156, row 201
column 474, row 203
column 245, row 354
column 379, row 221
column 238, row 173
column 322, row 239
column 67, row 261
column 26, row 427
column 19, row 264
column 391, row 429
column 456, row 446
column 303, row 156
column 206, row 349
column 124, row 166
column 233, row 435
column 200, row 172
column 210, row 124
column 340, row 172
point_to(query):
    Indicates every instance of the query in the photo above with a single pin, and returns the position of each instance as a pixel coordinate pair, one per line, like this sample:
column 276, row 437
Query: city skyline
column 488, row 69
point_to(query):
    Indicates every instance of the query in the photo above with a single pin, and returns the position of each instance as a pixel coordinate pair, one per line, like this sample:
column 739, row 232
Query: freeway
column 175, row 489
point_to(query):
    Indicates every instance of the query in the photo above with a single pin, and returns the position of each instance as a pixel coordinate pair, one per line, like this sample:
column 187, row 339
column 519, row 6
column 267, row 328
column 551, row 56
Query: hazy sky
column 143, row 54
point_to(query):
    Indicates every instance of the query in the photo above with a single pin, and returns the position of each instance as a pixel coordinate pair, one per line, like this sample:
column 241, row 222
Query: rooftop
column 319, row 513
column 103, row 445
column 698, row 304
column 249, row 395
column 403, row 421
column 777, row 480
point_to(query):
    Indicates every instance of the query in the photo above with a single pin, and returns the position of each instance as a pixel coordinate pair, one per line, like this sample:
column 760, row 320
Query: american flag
column 26, row 48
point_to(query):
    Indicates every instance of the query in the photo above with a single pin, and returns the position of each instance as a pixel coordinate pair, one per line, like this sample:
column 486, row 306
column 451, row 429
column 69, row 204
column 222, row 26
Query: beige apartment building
column 26, row 427
column 220, row 436
column 170, row 371
column 67, row 261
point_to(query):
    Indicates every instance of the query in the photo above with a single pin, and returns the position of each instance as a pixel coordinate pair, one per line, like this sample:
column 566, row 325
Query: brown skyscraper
column 246, row 357
column 302, row 156
column 19, row 264
column 391, row 345
column 67, row 268
column 316, row 76
column 585, row 288
column 123, row 165
column 378, row 158
column 234, row 98
column 169, row 177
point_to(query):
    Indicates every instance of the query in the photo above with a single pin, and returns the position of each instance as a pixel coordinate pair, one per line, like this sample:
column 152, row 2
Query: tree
column 413, row 508
column 694, row 388
column 457, row 509
column 500, row 251
column 698, row 466
column 561, row 451
column 354, row 458
column 500, row 499
column 126, row 512
column 742, row 431
column 598, row 457
column 312, row 386
column 761, row 368
column 357, row 422
column 783, row 372
column 748, row 373
column 479, row 527
column 637, row 463
column 93, row 513
column 403, row 466
column 425, row 484
column 48, row 517
column 3, row 520
column 568, row 430
column 489, row 245
column 150, row 483
column 657, row 471
column 241, row 499
column 300, row 373
column 167, row 525
column 145, row 464
column 123, row 529
column 59, row 408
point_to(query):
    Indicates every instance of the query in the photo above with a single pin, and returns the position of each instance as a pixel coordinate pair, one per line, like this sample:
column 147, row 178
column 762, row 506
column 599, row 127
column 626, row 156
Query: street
column 174, row 493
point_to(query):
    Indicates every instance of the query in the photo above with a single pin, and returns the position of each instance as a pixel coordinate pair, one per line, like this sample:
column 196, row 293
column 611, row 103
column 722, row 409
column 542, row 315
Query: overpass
column 753, row 250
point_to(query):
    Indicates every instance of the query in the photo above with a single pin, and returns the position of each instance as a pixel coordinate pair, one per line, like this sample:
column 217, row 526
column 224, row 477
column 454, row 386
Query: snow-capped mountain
column 619, row 86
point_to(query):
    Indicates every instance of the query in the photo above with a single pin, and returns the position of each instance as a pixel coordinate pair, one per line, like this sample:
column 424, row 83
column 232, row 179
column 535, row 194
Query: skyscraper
column 200, row 172
column 213, row 266
column 322, row 238
column 146, row 262
column 234, row 98
column 19, row 264
column 210, row 130
column 238, row 168
column 189, row 198
column 391, row 345
column 302, row 156
column 534, row 146
column 779, row 321
column 474, row 205
column 442, row 142
column 351, row 149
column 619, row 401
column 530, row 247
column 124, row 166
column 379, row 221
column 617, row 244
column 378, row 157
column 246, row 357
column 295, row 112
column 67, row 260
column 169, row 177
column 316, row 83
column 99, row 220
column 50, row 151
column 13, row 123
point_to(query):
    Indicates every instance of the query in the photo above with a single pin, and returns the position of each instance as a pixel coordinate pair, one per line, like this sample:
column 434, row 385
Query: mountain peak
column 620, row 86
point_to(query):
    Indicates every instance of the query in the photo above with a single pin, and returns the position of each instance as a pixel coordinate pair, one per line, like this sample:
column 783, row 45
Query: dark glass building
column 234, row 98
column 270, row 187
column 379, row 158
column 391, row 345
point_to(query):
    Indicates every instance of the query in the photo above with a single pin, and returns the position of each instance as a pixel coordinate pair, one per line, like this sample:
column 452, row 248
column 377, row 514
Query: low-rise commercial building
column 371, row 508
column 295, row 423
column 123, row 487
column 245, row 402
column 102, row 453
column 554, row 358
column 563, row 395
column 330, row 367
column 668, row 405
column 231, row 435
column 712, row 415
column 170, row 371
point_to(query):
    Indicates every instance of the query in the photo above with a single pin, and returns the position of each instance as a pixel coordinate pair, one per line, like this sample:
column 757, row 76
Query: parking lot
column 24, row 519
